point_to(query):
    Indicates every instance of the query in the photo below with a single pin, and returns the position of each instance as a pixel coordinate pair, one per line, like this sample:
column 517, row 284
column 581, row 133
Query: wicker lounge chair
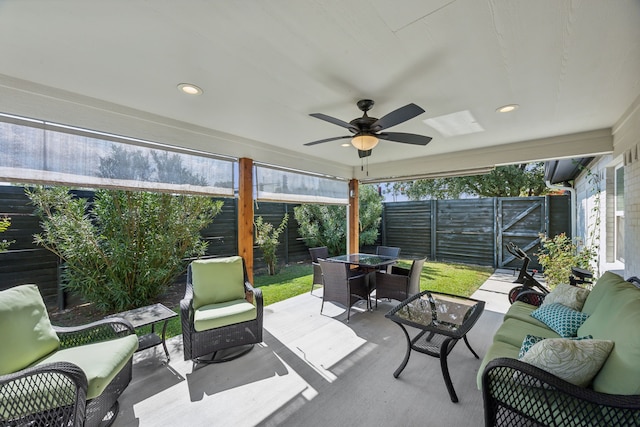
column 221, row 312
column 69, row 376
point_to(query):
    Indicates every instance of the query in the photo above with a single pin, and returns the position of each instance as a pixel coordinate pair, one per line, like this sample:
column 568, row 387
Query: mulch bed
column 81, row 314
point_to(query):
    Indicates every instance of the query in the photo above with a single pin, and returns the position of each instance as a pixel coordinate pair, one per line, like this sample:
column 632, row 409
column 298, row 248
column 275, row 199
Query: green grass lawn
column 292, row 280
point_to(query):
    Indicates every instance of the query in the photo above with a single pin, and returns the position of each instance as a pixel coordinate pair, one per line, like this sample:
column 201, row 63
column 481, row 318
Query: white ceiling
column 265, row 65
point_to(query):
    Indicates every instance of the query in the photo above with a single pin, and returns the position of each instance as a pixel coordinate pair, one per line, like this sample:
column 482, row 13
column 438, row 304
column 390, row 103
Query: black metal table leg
column 469, row 347
column 396, row 374
column 164, row 341
column 444, row 351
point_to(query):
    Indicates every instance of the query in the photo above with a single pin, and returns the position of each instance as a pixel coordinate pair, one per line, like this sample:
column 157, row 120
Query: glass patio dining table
column 365, row 261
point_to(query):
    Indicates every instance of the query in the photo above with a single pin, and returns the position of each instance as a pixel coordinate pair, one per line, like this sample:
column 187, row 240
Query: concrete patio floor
column 317, row 370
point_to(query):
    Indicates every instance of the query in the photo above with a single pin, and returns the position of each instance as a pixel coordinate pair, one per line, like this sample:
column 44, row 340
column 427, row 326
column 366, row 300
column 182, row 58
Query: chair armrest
column 255, row 295
column 514, row 391
column 40, row 394
column 100, row 330
column 400, row 271
column 391, row 280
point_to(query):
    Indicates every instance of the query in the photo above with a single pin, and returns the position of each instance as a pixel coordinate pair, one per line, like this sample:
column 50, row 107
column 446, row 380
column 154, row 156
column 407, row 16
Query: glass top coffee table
column 442, row 320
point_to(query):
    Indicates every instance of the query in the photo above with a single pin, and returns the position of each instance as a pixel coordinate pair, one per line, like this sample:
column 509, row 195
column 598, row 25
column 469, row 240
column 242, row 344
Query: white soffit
column 454, row 124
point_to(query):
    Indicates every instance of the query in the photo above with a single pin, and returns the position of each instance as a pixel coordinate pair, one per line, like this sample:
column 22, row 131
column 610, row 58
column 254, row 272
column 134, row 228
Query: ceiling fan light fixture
column 364, row 141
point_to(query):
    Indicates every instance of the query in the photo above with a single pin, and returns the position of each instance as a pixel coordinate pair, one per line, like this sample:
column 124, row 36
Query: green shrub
column 559, row 254
column 326, row 225
column 267, row 239
column 124, row 249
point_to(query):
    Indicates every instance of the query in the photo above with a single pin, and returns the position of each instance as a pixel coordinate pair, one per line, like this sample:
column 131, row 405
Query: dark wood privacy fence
column 474, row 231
column 27, row 263
column 471, row 231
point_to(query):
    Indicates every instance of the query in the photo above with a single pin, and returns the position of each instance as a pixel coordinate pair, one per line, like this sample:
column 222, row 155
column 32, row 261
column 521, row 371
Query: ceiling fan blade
column 334, row 121
column 405, row 138
column 320, row 141
column 396, row 117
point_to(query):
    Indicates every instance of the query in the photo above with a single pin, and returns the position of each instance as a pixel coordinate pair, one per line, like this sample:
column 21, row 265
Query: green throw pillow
column 25, row 331
column 570, row 296
column 574, row 361
column 530, row 340
column 560, row 318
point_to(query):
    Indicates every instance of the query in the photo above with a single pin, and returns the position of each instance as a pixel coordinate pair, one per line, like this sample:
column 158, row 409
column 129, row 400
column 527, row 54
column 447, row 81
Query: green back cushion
column 617, row 319
column 25, row 328
column 217, row 280
column 607, row 283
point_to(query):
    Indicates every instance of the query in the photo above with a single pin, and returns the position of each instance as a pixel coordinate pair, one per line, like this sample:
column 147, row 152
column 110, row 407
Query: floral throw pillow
column 567, row 295
column 575, row 361
column 560, row 318
column 530, row 340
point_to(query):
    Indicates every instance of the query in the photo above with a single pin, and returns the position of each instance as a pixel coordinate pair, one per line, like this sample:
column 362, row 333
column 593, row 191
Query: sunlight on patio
column 311, row 369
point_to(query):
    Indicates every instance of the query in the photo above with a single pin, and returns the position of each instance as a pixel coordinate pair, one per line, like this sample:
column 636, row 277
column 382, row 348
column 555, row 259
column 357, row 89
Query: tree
column 124, row 249
column 267, row 239
column 326, row 225
column 503, row 181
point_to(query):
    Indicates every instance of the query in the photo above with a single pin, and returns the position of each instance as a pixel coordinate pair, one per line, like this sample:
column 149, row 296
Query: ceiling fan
column 366, row 129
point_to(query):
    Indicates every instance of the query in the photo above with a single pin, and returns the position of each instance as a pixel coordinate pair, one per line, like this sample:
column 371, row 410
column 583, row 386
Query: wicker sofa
column 517, row 393
column 59, row 376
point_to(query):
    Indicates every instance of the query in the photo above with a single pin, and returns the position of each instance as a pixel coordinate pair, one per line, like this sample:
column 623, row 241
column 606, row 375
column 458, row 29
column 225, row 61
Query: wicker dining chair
column 321, row 252
column 220, row 311
column 400, row 283
column 391, row 251
column 341, row 287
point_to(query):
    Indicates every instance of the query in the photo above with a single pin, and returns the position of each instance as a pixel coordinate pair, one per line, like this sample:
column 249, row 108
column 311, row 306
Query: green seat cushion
column 563, row 320
column 522, row 311
column 217, row 280
column 607, row 283
column 513, row 331
column 100, row 362
column 620, row 374
column 25, row 327
column 223, row 314
column 496, row 350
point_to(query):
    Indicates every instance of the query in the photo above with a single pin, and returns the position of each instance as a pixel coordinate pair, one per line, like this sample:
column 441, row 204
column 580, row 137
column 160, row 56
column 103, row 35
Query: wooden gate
column 520, row 220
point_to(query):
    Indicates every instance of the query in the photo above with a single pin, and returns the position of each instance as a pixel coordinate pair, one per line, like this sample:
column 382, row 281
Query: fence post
column 383, row 232
column 434, row 228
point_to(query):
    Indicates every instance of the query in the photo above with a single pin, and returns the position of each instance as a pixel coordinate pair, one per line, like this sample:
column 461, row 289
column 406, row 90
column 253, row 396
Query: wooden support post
column 245, row 214
column 353, row 223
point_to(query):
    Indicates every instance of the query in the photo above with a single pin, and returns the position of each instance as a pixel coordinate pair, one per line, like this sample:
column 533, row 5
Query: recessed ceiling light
column 190, row 89
column 507, row 108
column 346, row 144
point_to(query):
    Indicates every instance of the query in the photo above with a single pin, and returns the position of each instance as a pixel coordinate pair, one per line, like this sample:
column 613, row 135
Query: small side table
column 442, row 320
column 149, row 315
